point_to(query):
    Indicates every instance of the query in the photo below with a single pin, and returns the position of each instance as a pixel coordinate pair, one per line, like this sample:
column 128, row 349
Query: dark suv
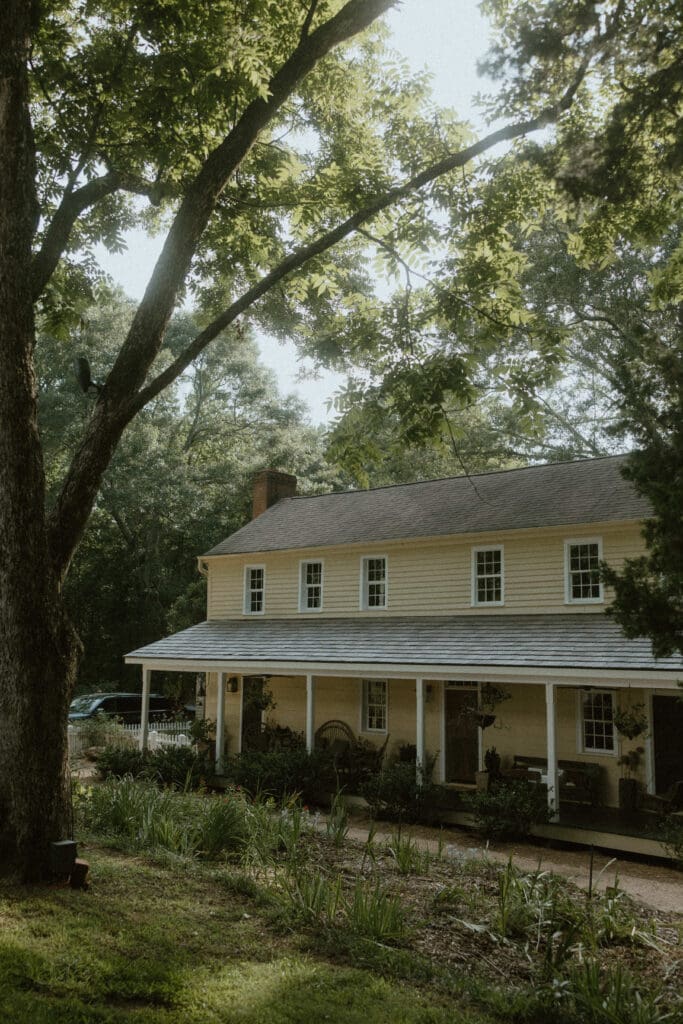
column 125, row 706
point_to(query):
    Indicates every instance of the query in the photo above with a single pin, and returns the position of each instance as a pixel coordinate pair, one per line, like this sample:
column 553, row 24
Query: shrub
column 279, row 773
column 508, row 811
column 182, row 767
column 118, row 761
column 671, row 834
column 396, row 793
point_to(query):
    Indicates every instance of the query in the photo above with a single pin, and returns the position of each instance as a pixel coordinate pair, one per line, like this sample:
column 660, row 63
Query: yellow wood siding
column 424, row 577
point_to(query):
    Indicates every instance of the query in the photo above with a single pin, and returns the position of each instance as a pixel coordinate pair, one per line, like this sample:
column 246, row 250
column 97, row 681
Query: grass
column 222, row 909
column 151, row 943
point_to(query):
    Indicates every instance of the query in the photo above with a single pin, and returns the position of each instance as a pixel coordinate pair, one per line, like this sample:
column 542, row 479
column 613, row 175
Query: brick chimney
column 271, row 486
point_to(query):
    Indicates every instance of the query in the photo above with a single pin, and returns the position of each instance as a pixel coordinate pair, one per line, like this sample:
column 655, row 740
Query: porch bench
column 579, row 780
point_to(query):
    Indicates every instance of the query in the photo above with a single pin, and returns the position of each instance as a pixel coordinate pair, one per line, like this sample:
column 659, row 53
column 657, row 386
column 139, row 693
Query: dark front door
column 252, row 712
column 462, row 736
column 667, row 736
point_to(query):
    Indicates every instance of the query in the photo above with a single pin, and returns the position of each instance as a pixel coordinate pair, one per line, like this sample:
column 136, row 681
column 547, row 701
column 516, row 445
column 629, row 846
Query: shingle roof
column 559, row 494
column 541, row 641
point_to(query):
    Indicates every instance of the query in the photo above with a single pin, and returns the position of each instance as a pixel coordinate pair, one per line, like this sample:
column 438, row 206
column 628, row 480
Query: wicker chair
column 331, row 731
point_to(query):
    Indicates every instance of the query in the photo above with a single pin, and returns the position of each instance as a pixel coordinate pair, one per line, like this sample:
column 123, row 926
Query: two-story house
column 390, row 609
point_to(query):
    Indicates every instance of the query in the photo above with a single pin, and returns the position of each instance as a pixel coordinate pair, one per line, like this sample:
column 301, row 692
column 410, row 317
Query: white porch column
column 240, row 686
column 553, row 780
column 310, row 713
column 144, row 711
column 419, row 728
column 220, row 723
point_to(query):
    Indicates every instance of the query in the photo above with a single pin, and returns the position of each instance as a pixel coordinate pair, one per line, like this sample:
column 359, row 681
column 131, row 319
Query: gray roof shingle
column 559, row 494
column 542, row 641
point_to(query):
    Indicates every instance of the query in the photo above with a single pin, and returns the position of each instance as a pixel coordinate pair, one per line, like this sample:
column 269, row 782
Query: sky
column 445, row 36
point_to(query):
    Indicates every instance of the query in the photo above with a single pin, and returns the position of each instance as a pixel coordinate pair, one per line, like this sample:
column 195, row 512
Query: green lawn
column 155, row 943
column 207, row 909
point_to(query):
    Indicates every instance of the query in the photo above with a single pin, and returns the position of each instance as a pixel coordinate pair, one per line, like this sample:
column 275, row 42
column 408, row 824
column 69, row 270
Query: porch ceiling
column 563, row 642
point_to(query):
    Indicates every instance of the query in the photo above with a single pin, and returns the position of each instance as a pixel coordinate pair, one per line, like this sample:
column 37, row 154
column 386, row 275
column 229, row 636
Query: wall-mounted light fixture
column 232, row 685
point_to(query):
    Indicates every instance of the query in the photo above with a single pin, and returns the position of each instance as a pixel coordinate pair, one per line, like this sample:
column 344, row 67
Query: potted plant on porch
column 631, row 723
column 491, row 772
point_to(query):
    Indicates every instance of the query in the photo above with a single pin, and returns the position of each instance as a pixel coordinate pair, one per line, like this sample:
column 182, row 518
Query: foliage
column 118, row 761
column 612, row 996
column 509, row 809
column 179, row 482
column 280, row 773
column 101, row 729
column 397, row 793
column 671, row 834
column 631, row 761
column 338, row 820
column 649, row 589
column 180, row 767
column 631, row 722
column 408, row 855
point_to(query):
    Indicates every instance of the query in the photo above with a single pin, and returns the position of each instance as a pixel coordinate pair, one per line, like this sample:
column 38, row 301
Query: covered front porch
column 402, row 684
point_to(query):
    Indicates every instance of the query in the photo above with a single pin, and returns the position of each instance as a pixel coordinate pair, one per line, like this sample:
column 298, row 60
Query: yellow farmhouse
column 400, row 611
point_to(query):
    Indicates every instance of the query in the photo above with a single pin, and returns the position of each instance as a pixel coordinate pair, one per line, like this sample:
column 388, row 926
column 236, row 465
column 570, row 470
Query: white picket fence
column 161, row 734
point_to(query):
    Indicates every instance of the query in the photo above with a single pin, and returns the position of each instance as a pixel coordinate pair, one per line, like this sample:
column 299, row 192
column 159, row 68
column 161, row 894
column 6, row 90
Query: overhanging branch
column 301, row 256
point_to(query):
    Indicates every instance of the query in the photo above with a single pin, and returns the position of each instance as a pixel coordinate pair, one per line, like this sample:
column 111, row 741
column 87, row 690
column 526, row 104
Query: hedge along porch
column 448, row 656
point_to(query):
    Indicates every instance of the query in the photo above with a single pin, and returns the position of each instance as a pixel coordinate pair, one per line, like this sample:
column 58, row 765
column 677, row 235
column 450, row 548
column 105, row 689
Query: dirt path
column 653, row 885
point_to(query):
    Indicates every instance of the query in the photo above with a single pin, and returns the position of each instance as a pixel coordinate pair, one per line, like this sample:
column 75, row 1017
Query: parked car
column 123, row 706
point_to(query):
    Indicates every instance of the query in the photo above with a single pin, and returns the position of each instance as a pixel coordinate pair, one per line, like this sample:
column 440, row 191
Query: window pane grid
column 489, row 576
column 375, row 582
column 584, row 571
column 598, row 727
column 312, row 585
column 375, row 704
column 255, row 587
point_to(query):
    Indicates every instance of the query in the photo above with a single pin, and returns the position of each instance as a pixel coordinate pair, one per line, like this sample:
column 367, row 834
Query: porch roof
column 560, row 641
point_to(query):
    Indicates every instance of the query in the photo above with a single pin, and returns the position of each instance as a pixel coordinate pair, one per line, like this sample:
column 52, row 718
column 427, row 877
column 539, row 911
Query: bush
column 508, row 810
column 396, row 793
column 115, row 761
column 280, row 773
column 181, row 767
column 671, row 835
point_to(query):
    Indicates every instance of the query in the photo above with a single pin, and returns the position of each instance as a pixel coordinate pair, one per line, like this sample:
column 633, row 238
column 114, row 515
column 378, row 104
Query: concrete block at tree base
column 78, row 879
column 62, row 857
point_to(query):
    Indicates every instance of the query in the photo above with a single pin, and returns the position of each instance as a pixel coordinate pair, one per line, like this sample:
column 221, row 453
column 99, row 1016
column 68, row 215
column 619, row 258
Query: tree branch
column 114, row 409
column 301, row 256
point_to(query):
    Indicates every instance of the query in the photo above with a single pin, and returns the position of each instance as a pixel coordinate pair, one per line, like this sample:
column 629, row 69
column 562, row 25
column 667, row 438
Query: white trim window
column 582, row 571
column 254, row 589
column 375, row 702
column 487, row 575
column 373, row 582
column 597, row 722
column 310, row 586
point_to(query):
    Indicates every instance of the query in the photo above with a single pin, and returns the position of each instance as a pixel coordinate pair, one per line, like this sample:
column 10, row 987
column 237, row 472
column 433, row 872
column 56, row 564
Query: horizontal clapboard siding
column 424, row 577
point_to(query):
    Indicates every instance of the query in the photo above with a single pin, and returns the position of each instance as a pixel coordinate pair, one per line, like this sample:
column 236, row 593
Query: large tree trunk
column 38, row 649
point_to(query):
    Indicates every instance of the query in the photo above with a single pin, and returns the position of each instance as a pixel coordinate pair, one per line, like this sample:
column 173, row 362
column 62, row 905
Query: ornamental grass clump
column 141, row 816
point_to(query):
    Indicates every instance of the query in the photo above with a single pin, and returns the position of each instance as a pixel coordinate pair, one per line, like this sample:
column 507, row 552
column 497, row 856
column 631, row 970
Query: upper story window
column 373, row 582
column 487, row 575
column 254, row 589
column 310, row 586
column 374, row 705
column 597, row 722
column 582, row 571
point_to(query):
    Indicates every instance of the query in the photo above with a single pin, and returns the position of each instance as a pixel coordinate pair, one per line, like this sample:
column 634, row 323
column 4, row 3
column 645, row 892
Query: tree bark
column 38, row 648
